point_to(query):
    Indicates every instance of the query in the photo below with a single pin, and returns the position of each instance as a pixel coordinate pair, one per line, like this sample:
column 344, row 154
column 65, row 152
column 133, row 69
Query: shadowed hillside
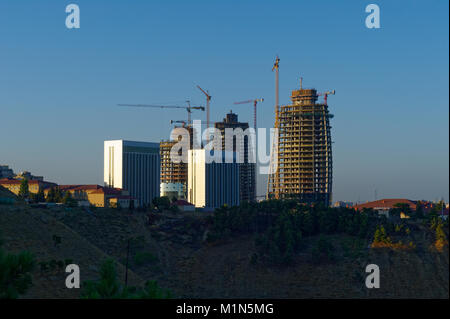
column 33, row 230
column 188, row 255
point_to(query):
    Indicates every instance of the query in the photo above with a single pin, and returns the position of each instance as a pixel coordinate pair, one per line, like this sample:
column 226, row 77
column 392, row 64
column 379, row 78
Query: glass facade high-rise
column 133, row 166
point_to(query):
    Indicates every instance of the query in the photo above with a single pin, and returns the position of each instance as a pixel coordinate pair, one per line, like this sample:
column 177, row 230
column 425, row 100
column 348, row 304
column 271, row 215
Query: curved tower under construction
column 304, row 156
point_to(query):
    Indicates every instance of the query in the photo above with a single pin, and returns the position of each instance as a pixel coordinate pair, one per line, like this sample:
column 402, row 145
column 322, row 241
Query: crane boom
column 157, row 106
column 244, row 102
column 325, row 95
column 255, row 102
column 188, row 108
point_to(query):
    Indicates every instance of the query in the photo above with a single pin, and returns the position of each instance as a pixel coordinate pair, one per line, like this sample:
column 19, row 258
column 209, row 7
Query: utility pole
column 126, row 263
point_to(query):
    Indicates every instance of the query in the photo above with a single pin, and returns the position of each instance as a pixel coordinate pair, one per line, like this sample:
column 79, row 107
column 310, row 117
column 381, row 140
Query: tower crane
column 208, row 99
column 188, row 108
column 255, row 102
column 325, row 95
column 274, row 180
column 183, row 122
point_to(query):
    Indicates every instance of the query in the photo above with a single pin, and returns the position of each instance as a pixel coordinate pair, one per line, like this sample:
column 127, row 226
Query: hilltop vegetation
column 278, row 249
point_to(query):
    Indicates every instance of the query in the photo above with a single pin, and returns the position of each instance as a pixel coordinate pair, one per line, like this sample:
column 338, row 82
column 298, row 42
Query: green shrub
column 15, row 277
column 108, row 287
column 323, row 250
column 143, row 258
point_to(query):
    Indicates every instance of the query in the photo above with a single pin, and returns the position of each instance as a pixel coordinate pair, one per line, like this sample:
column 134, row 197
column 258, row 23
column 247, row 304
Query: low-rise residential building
column 34, row 186
column 383, row 206
column 95, row 195
column 27, row 175
column 100, row 196
column 343, row 204
column 6, row 172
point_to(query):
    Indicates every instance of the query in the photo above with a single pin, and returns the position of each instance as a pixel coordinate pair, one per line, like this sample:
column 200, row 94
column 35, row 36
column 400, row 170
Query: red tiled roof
column 80, row 187
column 387, row 203
column 108, row 191
column 9, row 181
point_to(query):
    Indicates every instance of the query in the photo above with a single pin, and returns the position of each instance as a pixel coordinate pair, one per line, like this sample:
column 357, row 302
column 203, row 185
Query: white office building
column 133, row 166
column 213, row 184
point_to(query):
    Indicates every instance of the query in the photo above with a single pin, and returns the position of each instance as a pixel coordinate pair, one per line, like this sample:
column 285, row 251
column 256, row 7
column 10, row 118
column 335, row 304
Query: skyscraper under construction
column 304, row 157
column 174, row 174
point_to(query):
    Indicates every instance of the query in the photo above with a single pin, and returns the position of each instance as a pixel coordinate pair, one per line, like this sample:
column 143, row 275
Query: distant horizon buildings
column 6, row 172
column 133, row 166
column 385, row 205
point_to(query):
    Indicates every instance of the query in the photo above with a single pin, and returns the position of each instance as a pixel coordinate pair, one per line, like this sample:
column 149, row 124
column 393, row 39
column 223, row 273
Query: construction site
column 303, row 153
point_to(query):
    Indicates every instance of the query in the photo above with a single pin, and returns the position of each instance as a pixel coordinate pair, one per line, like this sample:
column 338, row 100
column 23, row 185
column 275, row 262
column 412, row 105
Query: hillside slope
column 5, row 193
column 33, row 229
column 191, row 267
column 194, row 268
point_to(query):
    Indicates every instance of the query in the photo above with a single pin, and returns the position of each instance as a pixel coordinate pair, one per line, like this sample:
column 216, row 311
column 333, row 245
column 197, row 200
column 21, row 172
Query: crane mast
column 208, row 99
column 273, row 179
column 255, row 102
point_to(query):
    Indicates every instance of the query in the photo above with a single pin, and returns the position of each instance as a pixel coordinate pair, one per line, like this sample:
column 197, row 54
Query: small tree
column 40, row 196
column 440, row 206
column 380, row 236
column 131, row 207
column 24, row 191
column 161, row 202
column 419, row 210
column 67, row 198
column 109, row 287
column 51, row 195
column 58, row 195
column 15, row 278
column 440, row 234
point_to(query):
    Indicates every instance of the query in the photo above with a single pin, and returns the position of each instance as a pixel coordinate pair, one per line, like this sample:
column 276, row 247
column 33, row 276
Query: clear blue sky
column 59, row 87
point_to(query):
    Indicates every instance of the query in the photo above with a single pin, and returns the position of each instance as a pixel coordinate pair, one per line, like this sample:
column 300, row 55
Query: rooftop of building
column 80, row 187
column 387, row 203
column 108, row 191
column 12, row 181
column 133, row 143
